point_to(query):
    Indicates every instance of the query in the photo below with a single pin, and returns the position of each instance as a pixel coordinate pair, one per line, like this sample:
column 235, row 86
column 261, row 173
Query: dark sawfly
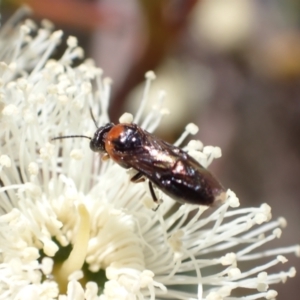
column 166, row 166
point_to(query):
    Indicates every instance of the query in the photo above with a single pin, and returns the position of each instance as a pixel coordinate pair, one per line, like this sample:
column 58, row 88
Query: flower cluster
column 73, row 227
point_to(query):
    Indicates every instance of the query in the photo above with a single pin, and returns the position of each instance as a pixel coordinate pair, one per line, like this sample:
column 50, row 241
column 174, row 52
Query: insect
column 166, row 166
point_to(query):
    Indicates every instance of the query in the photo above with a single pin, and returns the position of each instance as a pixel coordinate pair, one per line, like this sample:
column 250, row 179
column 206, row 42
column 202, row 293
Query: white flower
column 73, row 227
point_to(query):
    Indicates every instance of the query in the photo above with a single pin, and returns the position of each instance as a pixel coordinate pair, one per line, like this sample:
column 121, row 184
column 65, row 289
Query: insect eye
column 97, row 143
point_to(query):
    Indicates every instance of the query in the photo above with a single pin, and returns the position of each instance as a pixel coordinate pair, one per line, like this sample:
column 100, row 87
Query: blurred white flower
column 75, row 228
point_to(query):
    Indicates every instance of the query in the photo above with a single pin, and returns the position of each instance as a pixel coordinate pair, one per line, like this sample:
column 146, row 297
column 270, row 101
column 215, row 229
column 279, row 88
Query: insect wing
column 175, row 172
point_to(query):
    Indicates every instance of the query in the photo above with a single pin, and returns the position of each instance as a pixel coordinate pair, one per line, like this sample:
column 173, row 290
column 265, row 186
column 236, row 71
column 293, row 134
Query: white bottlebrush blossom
column 73, row 227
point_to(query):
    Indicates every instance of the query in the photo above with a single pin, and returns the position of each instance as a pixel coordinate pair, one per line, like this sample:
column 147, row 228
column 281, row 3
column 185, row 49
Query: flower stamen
column 77, row 256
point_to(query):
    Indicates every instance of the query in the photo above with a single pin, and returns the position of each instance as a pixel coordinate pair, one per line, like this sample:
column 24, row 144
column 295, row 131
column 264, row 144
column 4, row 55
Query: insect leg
column 138, row 177
column 105, row 157
column 152, row 192
column 154, row 196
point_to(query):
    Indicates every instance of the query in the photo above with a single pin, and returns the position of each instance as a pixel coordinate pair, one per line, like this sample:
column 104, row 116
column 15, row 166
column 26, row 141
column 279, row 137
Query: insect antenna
column 78, row 136
column 71, row 136
column 93, row 118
